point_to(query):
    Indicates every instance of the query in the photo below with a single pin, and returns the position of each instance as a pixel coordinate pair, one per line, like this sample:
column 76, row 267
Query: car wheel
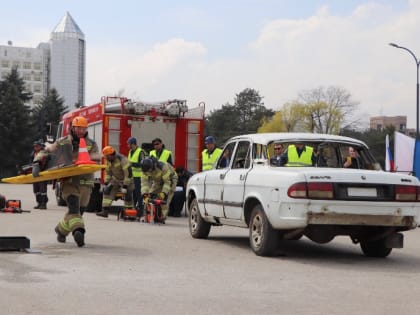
column 263, row 239
column 198, row 227
column 375, row 248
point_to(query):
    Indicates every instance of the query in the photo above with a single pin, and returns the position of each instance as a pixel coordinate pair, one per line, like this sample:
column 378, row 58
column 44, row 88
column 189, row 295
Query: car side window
column 226, row 157
column 242, row 157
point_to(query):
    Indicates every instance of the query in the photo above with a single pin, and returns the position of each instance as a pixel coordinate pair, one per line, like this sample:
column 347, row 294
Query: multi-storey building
column 59, row 64
column 380, row 122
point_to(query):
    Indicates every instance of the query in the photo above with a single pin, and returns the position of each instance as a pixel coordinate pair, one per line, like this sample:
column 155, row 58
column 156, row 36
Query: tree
column 47, row 115
column 329, row 109
column 245, row 116
column 291, row 117
column 15, row 124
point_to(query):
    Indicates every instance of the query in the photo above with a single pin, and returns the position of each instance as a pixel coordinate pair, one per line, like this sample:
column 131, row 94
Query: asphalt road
column 137, row 268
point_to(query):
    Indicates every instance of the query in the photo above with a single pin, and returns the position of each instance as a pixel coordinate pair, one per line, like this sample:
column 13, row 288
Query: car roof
column 266, row 138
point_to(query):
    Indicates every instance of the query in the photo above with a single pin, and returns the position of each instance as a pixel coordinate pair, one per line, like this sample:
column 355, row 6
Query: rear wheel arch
column 249, row 205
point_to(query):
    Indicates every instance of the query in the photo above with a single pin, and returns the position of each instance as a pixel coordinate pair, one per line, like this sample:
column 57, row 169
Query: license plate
column 361, row 192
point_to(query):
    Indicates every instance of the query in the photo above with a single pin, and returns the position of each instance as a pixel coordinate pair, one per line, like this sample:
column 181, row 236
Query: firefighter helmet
column 79, row 121
column 108, row 150
column 146, row 164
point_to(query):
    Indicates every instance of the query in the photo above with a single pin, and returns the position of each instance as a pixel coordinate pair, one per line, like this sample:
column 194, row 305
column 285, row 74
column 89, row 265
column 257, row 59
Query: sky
column 209, row 51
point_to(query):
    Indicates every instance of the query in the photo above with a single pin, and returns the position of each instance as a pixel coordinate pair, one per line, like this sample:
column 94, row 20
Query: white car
column 319, row 201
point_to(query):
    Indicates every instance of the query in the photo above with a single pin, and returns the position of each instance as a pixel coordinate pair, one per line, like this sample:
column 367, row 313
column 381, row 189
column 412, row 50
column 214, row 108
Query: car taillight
column 320, row 191
column 311, row 190
column 406, row 193
column 297, row 190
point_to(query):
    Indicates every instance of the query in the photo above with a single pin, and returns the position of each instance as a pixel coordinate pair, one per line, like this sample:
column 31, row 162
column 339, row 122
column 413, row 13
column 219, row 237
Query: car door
column 234, row 181
column 213, row 191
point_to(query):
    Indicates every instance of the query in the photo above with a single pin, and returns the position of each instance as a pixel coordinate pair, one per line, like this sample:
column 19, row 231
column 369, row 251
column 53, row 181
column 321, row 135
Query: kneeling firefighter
column 118, row 177
column 158, row 179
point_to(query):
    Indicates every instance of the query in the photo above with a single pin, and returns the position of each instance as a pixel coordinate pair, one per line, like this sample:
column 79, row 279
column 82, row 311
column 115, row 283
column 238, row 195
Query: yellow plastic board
column 56, row 173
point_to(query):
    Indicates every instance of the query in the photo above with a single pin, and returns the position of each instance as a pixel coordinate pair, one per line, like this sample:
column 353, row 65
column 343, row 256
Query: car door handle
column 222, row 176
column 242, row 177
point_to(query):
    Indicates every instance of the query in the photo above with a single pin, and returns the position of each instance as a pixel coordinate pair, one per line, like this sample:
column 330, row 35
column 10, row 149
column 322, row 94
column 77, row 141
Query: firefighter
column 160, row 153
column 118, row 178
column 135, row 155
column 76, row 190
column 210, row 155
column 39, row 163
column 158, row 181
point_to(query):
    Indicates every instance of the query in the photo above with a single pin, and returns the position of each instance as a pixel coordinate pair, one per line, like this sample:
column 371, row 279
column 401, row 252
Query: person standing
column 118, row 177
column 210, row 154
column 40, row 159
column 135, row 155
column 160, row 153
column 76, row 190
column 159, row 179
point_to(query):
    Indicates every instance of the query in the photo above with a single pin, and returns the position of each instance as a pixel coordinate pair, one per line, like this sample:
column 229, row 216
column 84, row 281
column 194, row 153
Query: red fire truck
column 113, row 120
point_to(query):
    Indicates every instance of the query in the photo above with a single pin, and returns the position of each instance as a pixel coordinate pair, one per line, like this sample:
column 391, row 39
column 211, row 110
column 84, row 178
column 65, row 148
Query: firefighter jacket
column 304, row 159
column 161, row 178
column 135, row 156
column 209, row 158
column 163, row 156
column 118, row 171
column 65, row 151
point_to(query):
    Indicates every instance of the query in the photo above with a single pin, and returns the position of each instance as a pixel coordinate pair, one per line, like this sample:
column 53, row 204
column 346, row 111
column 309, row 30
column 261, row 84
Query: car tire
column 198, row 227
column 264, row 240
column 375, row 248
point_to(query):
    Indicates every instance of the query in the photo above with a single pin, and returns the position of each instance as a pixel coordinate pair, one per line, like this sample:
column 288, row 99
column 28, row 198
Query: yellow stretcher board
column 56, row 173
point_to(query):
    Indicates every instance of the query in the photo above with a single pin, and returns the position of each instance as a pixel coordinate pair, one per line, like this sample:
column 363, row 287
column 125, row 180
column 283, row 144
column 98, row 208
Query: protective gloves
column 146, row 198
column 107, row 189
column 162, row 196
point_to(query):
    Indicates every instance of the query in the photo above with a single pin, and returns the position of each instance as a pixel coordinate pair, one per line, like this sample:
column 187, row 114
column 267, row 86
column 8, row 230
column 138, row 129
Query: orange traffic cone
column 83, row 157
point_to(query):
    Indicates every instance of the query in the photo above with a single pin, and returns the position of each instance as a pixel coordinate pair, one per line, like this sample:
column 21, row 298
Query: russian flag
column 389, row 161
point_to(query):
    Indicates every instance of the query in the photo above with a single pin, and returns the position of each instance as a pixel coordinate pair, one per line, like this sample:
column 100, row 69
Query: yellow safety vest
column 134, row 158
column 164, row 156
column 305, row 159
column 208, row 159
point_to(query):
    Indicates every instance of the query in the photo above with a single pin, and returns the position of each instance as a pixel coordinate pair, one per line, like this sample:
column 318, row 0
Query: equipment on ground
column 153, row 211
column 129, row 215
column 13, row 206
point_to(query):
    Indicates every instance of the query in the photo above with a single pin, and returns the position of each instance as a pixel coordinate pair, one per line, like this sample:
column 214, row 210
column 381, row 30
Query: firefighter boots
column 79, row 237
column 103, row 213
column 60, row 237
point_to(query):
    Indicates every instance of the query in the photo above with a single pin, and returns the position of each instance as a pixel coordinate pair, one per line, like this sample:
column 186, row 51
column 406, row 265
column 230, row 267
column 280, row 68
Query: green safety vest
column 208, row 160
column 305, row 159
column 164, row 156
column 134, row 158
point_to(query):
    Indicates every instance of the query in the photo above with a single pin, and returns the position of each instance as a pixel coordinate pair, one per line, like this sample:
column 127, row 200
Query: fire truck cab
column 115, row 119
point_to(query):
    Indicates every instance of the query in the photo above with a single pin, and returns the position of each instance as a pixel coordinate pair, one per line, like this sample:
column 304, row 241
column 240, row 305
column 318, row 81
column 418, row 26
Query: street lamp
column 417, row 94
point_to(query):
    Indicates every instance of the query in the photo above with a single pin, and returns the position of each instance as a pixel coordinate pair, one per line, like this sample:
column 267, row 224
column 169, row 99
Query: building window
column 402, row 127
column 27, row 77
column 379, row 127
column 37, row 88
column 26, row 65
column 37, row 77
column 4, row 74
column 36, row 99
column 5, row 63
column 37, row 65
column 16, row 64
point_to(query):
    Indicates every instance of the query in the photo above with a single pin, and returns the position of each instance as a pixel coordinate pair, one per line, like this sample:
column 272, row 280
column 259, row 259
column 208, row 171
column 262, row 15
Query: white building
column 68, row 61
column 59, row 64
column 32, row 65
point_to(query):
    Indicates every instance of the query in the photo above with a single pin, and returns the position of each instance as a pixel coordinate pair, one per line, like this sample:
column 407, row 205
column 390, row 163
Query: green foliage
column 245, row 116
column 47, row 115
column 15, row 124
